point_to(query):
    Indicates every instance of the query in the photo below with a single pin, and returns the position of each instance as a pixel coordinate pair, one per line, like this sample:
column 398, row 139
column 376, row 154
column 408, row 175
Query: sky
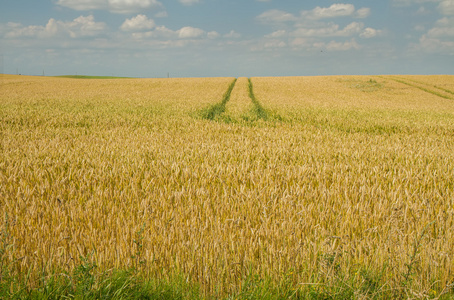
column 217, row 38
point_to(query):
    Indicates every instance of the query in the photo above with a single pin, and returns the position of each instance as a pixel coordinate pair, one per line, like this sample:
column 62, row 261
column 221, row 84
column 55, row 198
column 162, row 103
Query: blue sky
column 202, row 38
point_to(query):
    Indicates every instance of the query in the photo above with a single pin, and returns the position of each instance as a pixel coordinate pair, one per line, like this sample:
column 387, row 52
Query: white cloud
column 300, row 42
column 446, row 7
column 190, row 32
column 433, row 45
column 335, row 10
column 331, row 30
column 159, row 32
column 15, row 30
column 277, row 34
column 161, row 14
column 79, row 27
column 422, row 11
column 311, row 29
column 137, row 23
column 130, row 6
column 276, row 16
column 352, row 29
column 189, row 2
column 438, row 39
column 411, row 2
column 84, row 26
column 318, row 28
column 169, row 37
column 232, row 35
column 308, row 17
column 213, row 35
column 163, row 31
column 274, row 44
column 362, row 13
column 84, row 4
column 370, row 33
column 311, row 45
column 115, row 6
column 443, row 28
column 339, row 46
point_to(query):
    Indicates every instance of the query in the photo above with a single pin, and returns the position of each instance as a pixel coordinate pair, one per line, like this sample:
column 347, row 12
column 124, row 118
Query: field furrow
column 432, row 89
column 441, row 82
column 241, row 108
column 289, row 94
column 214, row 111
column 258, row 109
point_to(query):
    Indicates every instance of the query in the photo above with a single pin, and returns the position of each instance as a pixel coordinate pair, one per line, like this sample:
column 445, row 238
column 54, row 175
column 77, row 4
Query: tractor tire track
column 431, row 85
column 236, row 108
column 217, row 109
column 417, row 85
column 258, row 109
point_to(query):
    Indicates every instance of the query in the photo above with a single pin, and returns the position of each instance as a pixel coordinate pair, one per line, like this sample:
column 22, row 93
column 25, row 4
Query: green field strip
column 258, row 109
column 239, row 109
column 430, row 91
column 431, row 85
column 243, row 107
column 239, row 105
column 217, row 109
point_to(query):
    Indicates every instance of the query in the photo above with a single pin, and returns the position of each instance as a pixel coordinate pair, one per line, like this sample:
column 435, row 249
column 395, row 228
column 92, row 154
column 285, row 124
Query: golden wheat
column 358, row 92
column 239, row 104
column 357, row 170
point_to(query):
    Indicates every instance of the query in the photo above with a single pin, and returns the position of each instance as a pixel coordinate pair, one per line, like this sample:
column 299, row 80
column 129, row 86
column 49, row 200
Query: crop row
column 243, row 106
column 429, row 88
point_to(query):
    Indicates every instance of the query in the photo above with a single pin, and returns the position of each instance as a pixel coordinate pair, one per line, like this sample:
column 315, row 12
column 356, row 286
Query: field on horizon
column 330, row 184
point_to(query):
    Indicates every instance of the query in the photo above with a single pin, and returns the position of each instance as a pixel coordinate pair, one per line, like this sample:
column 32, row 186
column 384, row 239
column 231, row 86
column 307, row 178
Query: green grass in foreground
column 86, row 283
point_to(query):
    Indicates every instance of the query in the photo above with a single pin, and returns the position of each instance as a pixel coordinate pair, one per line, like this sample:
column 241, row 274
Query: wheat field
column 320, row 181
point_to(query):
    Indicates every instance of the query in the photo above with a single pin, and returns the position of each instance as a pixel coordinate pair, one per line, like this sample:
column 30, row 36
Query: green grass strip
column 435, row 86
column 215, row 110
column 421, row 88
column 258, row 109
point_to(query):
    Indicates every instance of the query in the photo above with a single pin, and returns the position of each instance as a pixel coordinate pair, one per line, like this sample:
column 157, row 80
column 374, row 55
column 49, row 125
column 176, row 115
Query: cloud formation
column 317, row 28
column 443, row 28
column 79, row 27
column 291, row 32
column 368, row 33
column 331, row 30
column 446, row 7
column 114, row 6
column 335, row 11
column 189, row 2
column 276, row 16
column 190, row 32
column 440, row 37
column 137, row 23
column 412, row 2
column 171, row 37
